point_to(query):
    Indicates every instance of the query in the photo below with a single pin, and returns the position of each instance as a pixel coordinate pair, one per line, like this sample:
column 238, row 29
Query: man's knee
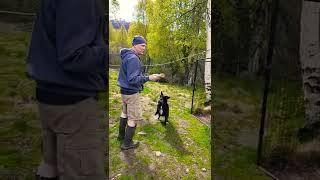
column 124, row 115
column 132, row 123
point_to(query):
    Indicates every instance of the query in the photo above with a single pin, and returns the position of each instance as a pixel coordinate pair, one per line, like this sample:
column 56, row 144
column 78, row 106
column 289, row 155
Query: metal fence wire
column 283, row 112
column 187, row 71
column 284, row 117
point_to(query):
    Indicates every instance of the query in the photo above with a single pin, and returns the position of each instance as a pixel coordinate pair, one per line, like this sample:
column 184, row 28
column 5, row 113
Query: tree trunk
column 258, row 40
column 207, row 69
column 310, row 64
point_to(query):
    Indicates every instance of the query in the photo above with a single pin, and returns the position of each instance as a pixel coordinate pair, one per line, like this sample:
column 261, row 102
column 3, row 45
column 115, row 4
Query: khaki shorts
column 74, row 141
column 131, row 106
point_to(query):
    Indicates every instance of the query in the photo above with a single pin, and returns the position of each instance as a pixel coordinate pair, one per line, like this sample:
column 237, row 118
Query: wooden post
column 267, row 78
column 194, row 84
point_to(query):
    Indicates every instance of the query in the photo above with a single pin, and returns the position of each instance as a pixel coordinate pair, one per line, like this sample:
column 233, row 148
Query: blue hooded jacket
column 131, row 78
column 68, row 52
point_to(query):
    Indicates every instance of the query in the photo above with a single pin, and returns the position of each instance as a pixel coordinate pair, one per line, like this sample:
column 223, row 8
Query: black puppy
column 163, row 107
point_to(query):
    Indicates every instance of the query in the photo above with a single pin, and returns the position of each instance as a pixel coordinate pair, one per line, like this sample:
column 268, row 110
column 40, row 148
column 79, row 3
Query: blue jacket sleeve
column 79, row 39
column 134, row 75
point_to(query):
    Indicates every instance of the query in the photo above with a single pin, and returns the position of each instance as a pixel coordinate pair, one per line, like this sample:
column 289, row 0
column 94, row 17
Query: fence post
column 267, row 78
column 194, row 84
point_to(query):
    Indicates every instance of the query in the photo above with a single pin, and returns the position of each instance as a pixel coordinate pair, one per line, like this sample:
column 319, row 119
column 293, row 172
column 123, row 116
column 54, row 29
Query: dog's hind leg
column 166, row 119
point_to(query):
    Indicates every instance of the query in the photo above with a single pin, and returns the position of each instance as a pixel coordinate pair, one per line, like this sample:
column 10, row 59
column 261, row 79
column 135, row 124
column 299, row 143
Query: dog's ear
column 161, row 93
column 168, row 97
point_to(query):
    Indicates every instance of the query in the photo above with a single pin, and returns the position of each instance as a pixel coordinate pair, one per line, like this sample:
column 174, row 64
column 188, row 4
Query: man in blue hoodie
column 68, row 60
column 131, row 80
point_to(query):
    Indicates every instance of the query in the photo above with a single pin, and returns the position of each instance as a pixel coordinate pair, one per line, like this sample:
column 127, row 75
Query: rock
column 158, row 153
column 152, row 167
column 114, row 178
column 141, row 133
column 207, row 109
column 204, row 169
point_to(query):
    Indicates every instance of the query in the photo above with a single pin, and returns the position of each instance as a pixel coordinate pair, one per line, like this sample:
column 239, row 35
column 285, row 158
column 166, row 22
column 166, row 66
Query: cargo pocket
column 92, row 162
column 96, row 121
column 85, row 156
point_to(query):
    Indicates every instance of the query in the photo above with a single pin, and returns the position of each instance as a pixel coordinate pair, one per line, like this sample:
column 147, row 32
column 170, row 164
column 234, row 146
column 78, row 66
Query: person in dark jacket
column 131, row 80
column 68, row 60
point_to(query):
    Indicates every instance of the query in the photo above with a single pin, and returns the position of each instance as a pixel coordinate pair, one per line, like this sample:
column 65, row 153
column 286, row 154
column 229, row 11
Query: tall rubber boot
column 128, row 143
column 122, row 128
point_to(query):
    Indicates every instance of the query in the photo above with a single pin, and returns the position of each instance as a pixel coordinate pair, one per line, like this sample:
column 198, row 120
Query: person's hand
column 162, row 75
column 154, row 77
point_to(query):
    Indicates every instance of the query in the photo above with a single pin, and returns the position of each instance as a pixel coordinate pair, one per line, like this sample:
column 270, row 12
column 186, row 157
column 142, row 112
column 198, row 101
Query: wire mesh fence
column 284, row 117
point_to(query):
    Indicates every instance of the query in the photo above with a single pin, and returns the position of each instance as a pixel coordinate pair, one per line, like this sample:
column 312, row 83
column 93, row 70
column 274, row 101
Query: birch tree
column 207, row 70
column 310, row 62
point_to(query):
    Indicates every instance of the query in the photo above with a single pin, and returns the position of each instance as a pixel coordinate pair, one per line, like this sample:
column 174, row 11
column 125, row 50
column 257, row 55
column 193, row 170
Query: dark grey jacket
column 68, row 54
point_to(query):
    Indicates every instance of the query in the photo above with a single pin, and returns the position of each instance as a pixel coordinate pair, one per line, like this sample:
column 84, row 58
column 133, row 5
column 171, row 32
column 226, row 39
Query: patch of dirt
column 241, row 114
column 304, row 164
column 183, row 124
column 297, row 173
column 148, row 110
column 135, row 164
column 204, row 118
column 248, row 137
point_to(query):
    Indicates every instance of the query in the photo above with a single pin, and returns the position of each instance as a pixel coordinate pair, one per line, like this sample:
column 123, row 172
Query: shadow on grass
column 173, row 138
column 137, row 167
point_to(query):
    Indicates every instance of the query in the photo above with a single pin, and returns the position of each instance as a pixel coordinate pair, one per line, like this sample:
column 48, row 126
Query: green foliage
column 117, row 38
column 173, row 29
column 242, row 27
column 136, row 28
column 175, row 25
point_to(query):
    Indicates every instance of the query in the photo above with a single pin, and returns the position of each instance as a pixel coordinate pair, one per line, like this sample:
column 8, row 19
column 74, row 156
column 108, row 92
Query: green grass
column 20, row 132
column 236, row 109
column 185, row 142
column 285, row 118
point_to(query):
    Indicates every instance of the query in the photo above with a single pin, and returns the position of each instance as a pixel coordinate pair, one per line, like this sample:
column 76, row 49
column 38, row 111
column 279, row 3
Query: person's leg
column 48, row 166
column 123, row 121
column 134, row 115
column 81, row 141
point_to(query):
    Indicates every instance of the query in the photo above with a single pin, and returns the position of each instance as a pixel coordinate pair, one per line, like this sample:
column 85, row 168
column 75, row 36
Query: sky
column 126, row 9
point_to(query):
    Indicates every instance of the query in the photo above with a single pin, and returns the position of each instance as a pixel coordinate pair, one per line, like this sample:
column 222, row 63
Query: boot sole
column 130, row 147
